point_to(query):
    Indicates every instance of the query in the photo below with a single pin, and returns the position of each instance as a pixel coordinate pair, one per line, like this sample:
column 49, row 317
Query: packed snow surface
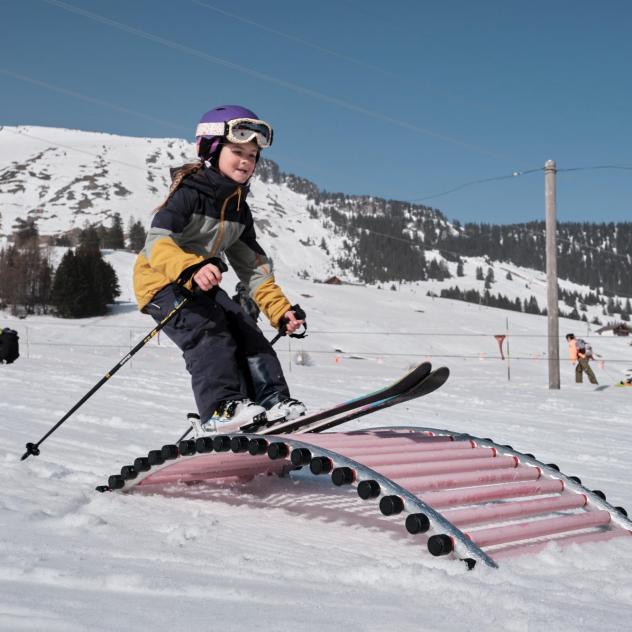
column 292, row 553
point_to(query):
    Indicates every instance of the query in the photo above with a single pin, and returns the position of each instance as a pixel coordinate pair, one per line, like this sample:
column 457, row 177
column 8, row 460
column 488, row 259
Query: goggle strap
column 211, row 129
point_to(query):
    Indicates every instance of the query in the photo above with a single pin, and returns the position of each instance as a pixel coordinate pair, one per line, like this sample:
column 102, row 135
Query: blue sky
column 405, row 100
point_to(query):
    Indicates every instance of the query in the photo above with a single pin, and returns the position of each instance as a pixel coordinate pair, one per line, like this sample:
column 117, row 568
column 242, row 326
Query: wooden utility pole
column 551, row 276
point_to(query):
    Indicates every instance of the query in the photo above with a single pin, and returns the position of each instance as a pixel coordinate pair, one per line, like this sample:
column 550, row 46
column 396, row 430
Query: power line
column 596, row 167
column 334, row 53
column 515, row 174
column 188, row 50
column 345, row 354
column 89, row 99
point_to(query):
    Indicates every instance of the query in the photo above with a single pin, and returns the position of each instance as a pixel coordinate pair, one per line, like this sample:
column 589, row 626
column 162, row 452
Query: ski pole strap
column 187, row 273
column 300, row 315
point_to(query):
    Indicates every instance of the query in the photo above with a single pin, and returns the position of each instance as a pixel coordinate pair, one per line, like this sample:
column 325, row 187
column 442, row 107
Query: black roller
column 342, row 476
column 529, row 455
column 169, row 452
column 239, row 444
column 300, row 456
column 128, row 472
column 103, row 488
column 622, row 511
column 417, row 523
column 440, row 545
column 321, row 465
column 278, row 450
column 221, row 443
column 257, row 446
column 390, row 505
column 187, row 447
column 142, row 464
column 553, row 466
column 506, row 446
column 368, row 489
column 599, row 493
column 116, row 482
column 204, row 444
column 576, row 479
column 155, row 457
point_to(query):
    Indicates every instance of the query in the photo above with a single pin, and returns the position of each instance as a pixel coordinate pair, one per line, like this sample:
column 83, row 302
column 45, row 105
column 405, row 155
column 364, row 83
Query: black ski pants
column 226, row 354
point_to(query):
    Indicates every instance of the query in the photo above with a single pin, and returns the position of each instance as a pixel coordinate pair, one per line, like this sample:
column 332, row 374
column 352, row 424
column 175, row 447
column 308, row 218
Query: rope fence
column 29, row 337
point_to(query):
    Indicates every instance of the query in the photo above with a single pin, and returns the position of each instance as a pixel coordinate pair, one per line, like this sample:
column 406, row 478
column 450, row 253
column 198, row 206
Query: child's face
column 237, row 161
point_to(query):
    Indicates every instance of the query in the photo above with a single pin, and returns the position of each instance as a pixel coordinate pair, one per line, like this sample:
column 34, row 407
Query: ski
column 397, row 388
column 427, row 385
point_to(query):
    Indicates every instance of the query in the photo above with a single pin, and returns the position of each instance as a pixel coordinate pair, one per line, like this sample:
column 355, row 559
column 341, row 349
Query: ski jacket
column 207, row 216
column 578, row 348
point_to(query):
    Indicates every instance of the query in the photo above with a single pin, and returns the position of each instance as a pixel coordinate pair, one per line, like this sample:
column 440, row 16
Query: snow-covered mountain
column 65, row 179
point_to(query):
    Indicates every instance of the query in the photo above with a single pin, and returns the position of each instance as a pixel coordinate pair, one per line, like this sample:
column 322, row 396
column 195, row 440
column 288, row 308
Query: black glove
column 300, row 315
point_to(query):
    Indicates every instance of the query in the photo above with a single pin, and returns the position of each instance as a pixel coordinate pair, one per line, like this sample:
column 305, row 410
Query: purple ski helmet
column 232, row 123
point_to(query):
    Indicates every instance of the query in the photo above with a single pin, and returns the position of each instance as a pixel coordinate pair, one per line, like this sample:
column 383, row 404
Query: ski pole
column 33, row 448
column 300, row 315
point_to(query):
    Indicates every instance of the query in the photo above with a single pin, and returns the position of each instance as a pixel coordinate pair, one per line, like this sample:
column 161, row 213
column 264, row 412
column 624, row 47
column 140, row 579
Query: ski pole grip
column 187, row 273
column 298, row 312
column 300, row 315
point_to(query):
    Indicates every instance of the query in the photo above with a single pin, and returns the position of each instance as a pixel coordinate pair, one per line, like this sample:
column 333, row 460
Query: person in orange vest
column 580, row 352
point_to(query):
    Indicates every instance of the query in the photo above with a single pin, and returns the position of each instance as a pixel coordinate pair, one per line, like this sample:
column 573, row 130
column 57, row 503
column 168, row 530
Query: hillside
column 65, row 179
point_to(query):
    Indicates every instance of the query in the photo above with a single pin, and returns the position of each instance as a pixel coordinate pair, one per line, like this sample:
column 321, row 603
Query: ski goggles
column 241, row 130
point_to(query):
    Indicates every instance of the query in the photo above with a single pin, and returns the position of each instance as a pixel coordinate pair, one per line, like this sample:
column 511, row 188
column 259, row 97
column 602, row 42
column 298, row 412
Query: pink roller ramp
column 469, row 498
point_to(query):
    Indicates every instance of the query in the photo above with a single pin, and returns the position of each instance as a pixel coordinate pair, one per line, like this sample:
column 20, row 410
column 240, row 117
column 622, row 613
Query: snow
column 294, row 554
column 277, row 552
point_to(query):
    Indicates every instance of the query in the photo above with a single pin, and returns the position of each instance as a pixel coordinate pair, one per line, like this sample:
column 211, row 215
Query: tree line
column 387, row 240
column 83, row 284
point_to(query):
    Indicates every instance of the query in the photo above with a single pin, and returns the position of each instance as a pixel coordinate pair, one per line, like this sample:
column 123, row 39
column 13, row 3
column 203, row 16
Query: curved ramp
column 466, row 497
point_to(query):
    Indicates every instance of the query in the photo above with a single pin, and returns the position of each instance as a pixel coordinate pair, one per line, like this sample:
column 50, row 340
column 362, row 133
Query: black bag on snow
column 9, row 346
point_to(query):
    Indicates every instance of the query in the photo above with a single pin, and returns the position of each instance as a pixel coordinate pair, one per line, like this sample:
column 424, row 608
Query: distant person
column 581, row 353
column 235, row 373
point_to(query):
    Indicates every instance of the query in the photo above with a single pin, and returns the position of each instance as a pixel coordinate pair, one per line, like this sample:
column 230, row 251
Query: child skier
column 204, row 218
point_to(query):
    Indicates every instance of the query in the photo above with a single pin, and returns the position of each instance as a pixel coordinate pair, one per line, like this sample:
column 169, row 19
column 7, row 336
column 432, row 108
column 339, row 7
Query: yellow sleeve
column 167, row 258
column 272, row 302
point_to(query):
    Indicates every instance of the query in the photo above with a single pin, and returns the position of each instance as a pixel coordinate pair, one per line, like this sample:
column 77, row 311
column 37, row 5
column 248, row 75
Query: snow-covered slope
column 285, row 554
column 65, row 179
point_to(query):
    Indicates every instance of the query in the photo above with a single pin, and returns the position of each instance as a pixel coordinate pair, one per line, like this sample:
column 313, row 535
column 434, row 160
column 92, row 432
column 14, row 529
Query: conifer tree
column 114, row 237
column 84, row 283
column 137, row 236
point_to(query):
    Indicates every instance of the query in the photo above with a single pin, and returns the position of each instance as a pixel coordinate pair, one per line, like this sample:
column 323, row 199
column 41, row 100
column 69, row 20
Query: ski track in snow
column 291, row 553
